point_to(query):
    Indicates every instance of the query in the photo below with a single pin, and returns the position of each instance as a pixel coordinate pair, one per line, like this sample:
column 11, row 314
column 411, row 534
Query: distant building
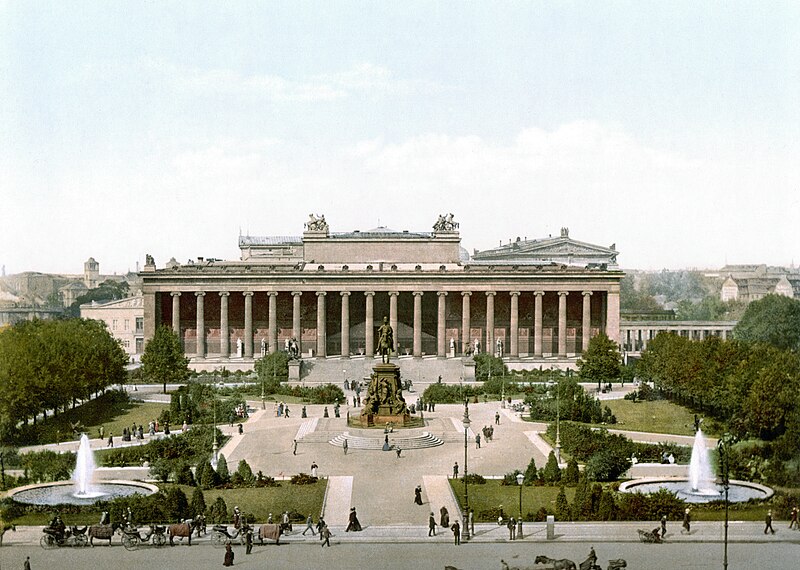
column 124, row 319
column 749, row 283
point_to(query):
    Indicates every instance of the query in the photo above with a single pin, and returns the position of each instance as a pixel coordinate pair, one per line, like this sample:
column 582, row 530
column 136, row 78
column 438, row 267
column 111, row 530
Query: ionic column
column 562, row 323
column 345, row 324
column 465, row 334
column 587, row 320
column 322, row 337
column 417, row 323
column 369, row 324
column 537, row 323
column 176, row 312
column 490, row 322
column 612, row 316
column 441, row 341
column 273, row 321
column 248, row 324
column 296, row 331
column 393, row 317
column 224, row 337
column 514, row 344
column 200, row 325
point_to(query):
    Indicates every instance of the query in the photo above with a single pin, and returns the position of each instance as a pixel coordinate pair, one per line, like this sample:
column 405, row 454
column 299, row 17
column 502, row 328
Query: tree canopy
column 49, row 364
column 163, row 358
column 602, row 361
column 774, row 320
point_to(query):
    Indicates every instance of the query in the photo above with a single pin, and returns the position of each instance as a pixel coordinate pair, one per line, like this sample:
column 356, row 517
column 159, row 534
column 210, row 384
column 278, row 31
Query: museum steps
column 423, row 370
column 403, row 441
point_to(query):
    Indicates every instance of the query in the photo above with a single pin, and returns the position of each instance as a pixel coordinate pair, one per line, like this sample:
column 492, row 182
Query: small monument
column 384, row 403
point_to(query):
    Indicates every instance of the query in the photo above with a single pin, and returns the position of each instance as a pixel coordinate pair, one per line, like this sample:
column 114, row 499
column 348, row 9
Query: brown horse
column 102, row 532
column 271, row 531
column 183, row 530
column 562, row 564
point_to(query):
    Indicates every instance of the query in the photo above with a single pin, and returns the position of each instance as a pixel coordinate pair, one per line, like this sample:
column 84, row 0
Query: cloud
column 363, row 78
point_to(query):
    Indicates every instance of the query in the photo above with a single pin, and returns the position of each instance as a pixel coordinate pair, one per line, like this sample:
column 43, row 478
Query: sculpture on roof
column 445, row 223
column 316, row 223
column 148, row 259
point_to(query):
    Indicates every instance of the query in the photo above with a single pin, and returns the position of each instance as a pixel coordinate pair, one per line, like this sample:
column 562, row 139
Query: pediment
column 550, row 249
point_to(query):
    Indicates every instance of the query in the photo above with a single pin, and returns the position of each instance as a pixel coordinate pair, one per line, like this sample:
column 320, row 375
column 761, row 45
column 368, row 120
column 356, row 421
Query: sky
column 671, row 129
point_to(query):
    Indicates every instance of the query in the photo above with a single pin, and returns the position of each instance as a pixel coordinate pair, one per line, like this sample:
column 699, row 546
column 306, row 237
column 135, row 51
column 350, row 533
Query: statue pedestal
column 294, row 370
column 468, row 369
column 384, row 402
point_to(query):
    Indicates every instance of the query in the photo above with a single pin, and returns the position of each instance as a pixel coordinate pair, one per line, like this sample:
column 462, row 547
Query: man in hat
column 687, row 522
column 768, row 523
column 431, row 525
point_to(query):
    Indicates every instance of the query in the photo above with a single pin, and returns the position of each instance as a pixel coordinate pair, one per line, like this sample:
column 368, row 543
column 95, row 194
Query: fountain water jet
column 701, row 475
column 84, row 471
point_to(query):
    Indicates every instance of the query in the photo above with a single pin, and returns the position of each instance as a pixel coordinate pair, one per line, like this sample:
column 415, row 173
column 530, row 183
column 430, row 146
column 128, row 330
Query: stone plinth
column 468, row 371
column 294, row 370
column 384, row 402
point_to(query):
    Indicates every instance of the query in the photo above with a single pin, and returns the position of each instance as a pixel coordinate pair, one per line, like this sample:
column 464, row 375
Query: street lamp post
column 215, row 445
column 558, row 416
column 723, row 447
column 263, row 395
column 520, row 480
column 466, row 423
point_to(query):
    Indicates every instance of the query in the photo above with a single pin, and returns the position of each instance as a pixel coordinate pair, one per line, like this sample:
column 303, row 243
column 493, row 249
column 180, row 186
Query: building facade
column 124, row 319
column 528, row 300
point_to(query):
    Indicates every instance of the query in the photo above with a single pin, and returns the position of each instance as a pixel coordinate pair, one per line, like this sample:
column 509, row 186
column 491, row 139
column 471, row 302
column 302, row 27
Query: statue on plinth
column 385, row 340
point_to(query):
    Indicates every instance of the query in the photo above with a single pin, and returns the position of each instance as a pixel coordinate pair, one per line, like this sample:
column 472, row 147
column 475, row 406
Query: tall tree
column 163, row 358
column 774, row 320
column 602, row 360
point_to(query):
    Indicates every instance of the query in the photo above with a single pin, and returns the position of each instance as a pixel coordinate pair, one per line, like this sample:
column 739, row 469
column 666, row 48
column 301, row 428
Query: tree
column 601, row 361
column 163, row 358
column 487, row 365
column 551, row 472
column 562, row 506
column 176, row 505
column 197, row 506
column 531, row 473
column 245, row 473
column 571, row 473
column 222, row 469
column 773, row 320
column 273, row 368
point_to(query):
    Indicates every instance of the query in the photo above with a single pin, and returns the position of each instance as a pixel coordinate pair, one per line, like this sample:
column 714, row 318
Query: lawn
column 487, row 499
column 659, row 416
column 93, row 414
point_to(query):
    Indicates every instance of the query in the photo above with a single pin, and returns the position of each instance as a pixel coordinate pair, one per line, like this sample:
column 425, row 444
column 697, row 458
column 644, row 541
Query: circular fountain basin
column 738, row 491
column 63, row 492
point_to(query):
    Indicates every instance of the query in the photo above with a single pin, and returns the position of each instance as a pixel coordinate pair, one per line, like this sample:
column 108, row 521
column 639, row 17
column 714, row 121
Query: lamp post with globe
column 466, row 423
column 520, row 481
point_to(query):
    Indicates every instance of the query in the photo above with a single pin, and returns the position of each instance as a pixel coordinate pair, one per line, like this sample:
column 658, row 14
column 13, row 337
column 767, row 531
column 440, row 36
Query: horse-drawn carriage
column 102, row 532
column 547, row 563
column 653, row 536
column 220, row 535
column 132, row 538
column 55, row 538
column 183, row 530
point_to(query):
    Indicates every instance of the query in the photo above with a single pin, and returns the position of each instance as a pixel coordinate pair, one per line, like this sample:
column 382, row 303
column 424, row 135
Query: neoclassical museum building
column 533, row 301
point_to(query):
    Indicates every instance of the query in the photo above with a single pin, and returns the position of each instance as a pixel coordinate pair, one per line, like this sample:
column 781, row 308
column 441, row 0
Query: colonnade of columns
column 636, row 336
column 610, row 303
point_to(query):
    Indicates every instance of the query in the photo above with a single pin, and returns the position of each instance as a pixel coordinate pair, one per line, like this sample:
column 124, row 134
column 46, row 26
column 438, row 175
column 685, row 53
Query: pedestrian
column 768, row 523
column 497, row 418
column 314, row 468
column 687, row 522
column 477, row 441
column 592, row 558
column 110, row 439
column 398, row 450
column 344, row 446
column 325, row 536
column 456, row 528
column 303, row 413
column 353, row 523
column 512, row 528
column 248, row 538
column 793, row 521
column 286, row 411
column 444, row 517
column 309, row 526
column 294, row 447
column 320, row 525
column 325, row 412
column 287, row 526
column 663, row 526
column 102, row 431
column 228, row 560
column 471, row 521
column 27, row 565
column 336, row 409
column 431, row 526
column 455, row 470
column 418, row 495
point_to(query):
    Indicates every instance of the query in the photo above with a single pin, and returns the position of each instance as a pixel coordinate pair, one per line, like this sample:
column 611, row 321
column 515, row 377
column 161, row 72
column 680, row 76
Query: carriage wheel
column 159, row 540
column 81, row 540
column 130, row 542
column 218, row 540
column 48, row 542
